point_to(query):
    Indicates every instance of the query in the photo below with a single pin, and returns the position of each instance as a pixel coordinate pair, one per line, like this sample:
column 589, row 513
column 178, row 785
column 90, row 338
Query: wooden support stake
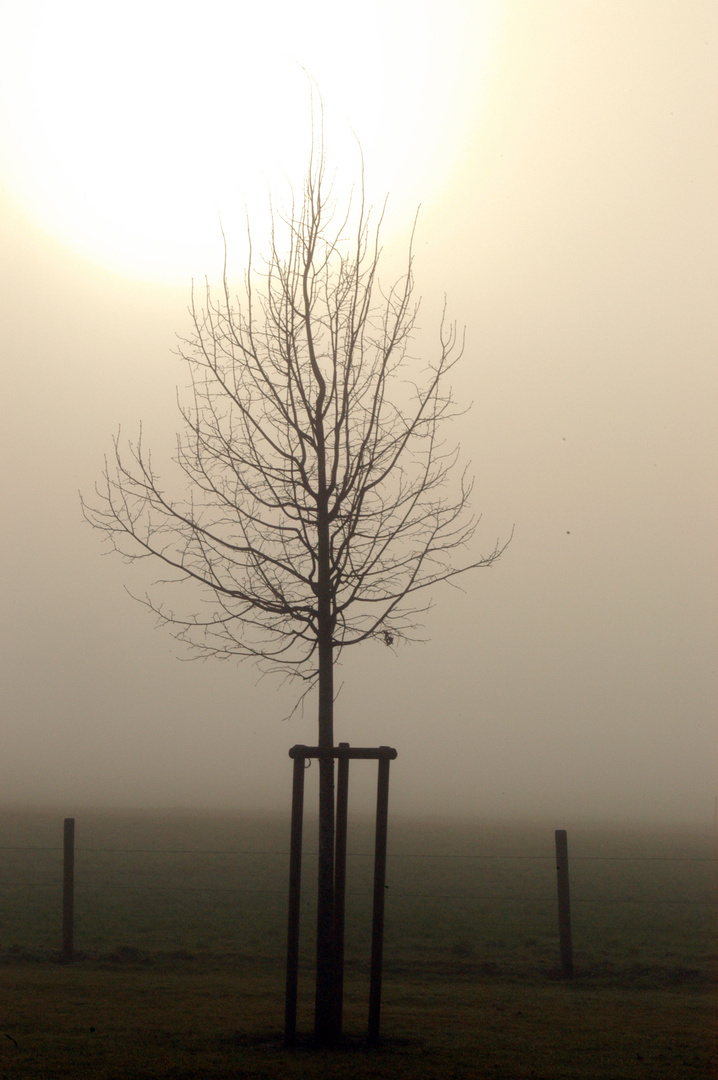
column 564, row 903
column 68, row 891
column 377, row 943
column 295, row 887
column 340, row 884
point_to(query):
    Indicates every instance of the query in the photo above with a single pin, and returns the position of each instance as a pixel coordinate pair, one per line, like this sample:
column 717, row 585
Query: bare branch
column 314, row 485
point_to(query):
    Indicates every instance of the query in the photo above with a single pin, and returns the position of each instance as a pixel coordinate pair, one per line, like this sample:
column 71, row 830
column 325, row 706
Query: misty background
column 573, row 226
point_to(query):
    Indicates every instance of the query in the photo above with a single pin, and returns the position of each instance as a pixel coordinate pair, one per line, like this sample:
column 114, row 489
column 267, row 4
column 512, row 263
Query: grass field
column 180, row 938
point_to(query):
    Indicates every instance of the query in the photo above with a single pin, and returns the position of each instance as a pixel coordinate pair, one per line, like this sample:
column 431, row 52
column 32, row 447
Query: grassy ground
column 172, row 1021
column 180, row 937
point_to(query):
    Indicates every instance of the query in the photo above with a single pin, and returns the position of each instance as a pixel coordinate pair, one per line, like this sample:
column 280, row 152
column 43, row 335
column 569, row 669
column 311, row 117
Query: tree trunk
column 324, row 1012
column 325, row 1028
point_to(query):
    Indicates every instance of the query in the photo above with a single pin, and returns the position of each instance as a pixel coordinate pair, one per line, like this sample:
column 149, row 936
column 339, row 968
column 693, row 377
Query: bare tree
column 316, row 505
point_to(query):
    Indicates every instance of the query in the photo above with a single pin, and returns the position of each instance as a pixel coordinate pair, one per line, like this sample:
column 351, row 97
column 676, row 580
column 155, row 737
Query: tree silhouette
column 315, row 503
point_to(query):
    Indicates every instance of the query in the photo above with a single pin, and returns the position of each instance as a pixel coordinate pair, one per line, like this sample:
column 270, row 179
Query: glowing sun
column 128, row 129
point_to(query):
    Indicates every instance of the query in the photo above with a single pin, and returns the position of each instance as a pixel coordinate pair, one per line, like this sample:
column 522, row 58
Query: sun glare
column 129, row 130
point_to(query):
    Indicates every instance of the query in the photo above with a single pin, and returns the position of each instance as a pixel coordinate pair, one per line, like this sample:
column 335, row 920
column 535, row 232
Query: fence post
column 564, row 903
column 68, row 890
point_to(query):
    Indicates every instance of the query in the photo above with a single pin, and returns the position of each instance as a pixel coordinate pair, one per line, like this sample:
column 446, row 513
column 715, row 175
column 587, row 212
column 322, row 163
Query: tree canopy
column 306, row 410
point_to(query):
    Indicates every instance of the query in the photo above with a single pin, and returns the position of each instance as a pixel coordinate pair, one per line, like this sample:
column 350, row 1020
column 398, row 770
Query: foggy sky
column 575, row 234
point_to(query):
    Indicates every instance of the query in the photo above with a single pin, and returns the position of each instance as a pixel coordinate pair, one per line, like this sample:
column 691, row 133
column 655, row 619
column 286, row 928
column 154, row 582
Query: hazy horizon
column 361, row 819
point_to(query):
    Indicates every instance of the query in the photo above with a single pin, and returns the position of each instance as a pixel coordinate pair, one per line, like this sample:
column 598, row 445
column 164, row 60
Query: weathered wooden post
column 564, row 903
column 68, row 890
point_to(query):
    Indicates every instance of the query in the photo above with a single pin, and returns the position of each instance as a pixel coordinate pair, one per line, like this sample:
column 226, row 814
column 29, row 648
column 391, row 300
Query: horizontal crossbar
column 371, row 752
